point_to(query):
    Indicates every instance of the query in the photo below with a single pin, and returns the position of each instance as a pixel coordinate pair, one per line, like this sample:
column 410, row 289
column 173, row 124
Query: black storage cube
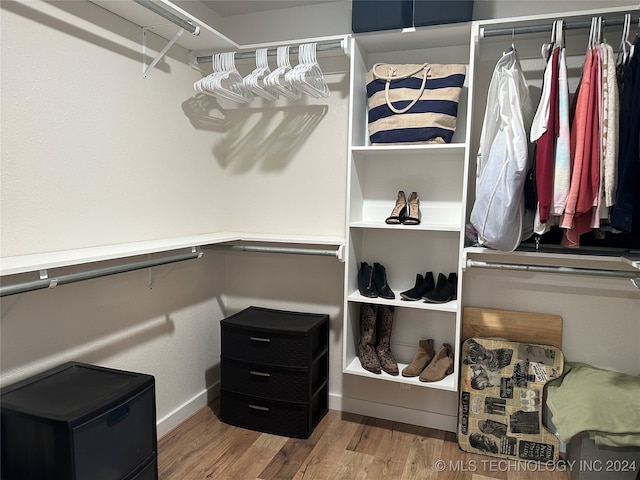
column 274, row 371
column 80, row 422
column 438, row 12
column 371, row 16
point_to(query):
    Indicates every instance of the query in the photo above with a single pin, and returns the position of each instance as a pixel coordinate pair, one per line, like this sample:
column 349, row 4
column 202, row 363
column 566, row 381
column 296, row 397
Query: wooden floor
column 343, row 446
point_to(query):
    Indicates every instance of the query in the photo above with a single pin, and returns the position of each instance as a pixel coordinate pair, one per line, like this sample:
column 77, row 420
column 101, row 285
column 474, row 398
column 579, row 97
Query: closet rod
column 288, row 250
column 188, row 26
column 633, row 276
column 47, row 282
column 272, row 52
column 497, row 32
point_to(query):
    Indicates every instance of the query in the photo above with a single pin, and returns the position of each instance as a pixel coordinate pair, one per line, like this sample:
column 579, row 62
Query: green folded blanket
column 603, row 403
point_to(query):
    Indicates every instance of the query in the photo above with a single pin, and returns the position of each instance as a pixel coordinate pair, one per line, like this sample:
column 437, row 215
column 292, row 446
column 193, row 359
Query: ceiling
column 226, row 8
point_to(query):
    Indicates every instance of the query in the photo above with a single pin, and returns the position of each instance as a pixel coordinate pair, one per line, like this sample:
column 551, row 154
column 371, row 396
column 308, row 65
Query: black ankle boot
column 366, row 285
column 453, row 281
column 380, row 280
column 442, row 293
column 423, row 286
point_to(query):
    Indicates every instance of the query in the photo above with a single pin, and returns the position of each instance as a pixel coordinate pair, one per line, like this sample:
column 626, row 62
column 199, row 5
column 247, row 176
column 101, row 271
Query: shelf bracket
column 146, row 70
column 44, row 275
column 195, row 250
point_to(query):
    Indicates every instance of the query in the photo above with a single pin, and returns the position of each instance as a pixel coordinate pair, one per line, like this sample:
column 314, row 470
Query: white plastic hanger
column 547, row 48
column 307, row 76
column 198, row 86
column 227, row 83
column 625, row 50
column 276, row 79
column 255, row 80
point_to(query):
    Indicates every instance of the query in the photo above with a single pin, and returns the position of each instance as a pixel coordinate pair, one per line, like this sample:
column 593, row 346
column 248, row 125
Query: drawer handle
column 260, row 339
column 117, row 416
column 259, row 374
column 258, row 407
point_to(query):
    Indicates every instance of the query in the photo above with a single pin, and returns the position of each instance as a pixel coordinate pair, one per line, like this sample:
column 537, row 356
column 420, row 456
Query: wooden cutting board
column 539, row 328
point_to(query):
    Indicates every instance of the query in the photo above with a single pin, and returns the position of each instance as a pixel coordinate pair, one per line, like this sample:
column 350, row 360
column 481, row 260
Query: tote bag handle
column 388, row 78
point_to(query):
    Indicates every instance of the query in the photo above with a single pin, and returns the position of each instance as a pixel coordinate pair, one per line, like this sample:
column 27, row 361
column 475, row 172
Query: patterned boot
column 383, row 347
column 366, row 345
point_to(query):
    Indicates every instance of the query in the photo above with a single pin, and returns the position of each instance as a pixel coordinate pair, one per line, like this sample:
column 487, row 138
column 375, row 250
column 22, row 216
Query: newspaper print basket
column 413, row 103
column 502, row 399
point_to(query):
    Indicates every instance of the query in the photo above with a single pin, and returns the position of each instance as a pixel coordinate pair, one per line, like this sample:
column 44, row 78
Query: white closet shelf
column 424, row 225
column 447, row 383
column 398, row 302
column 422, row 37
column 208, row 39
column 375, row 151
column 43, row 261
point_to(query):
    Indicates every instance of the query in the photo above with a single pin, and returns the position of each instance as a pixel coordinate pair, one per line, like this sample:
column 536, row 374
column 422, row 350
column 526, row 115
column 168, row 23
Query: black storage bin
column 275, row 368
column 438, row 12
column 371, row 16
column 80, row 422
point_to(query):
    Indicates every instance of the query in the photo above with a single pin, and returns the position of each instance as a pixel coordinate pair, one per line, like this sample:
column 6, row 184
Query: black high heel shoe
column 413, row 210
column 399, row 210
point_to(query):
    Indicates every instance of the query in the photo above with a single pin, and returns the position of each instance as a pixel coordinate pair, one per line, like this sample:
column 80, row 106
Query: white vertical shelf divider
column 376, row 174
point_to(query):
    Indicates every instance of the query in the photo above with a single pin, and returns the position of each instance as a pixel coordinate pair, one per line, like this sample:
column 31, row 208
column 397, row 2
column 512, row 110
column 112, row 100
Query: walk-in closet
column 166, row 165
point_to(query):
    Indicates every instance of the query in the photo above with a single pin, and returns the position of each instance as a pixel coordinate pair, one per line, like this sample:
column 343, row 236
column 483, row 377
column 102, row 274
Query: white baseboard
column 411, row 416
column 336, row 402
column 170, row 421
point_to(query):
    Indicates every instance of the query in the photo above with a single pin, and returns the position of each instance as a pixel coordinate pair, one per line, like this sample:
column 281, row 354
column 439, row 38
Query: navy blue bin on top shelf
column 378, row 15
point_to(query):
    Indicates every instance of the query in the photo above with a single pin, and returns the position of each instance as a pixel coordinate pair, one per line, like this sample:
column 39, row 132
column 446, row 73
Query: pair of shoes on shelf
column 428, row 365
column 405, row 212
column 374, row 346
column 446, row 289
column 372, row 281
column 427, row 289
column 422, row 286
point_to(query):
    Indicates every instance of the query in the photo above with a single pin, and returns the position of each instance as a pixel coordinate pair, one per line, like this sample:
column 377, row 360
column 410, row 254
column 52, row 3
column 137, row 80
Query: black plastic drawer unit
column 275, row 367
column 80, row 422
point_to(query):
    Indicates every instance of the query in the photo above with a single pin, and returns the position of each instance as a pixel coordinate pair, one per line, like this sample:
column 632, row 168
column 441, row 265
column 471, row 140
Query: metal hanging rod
column 46, row 282
column 182, row 23
column 497, row 32
column 288, row 250
column 633, row 276
column 320, row 47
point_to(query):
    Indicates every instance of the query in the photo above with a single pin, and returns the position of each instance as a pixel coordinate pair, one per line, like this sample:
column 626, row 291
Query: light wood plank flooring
column 343, row 446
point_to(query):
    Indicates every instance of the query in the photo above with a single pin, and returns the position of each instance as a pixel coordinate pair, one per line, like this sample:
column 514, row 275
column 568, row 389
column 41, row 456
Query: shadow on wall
column 96, row 319
column 267, row 137
column 263, row 135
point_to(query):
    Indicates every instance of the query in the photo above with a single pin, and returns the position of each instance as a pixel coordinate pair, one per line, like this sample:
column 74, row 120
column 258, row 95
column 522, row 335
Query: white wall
column 285, row 162
column 94, row 154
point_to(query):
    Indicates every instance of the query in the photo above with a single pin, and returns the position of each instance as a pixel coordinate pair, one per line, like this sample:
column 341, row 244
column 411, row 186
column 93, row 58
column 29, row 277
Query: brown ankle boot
column 440, row 366
column 383, row 347
column 423, row 356
column 366, row 345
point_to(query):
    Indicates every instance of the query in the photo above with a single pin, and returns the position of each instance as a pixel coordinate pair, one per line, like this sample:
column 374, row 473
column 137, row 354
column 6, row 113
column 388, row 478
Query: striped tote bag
column 413, row 103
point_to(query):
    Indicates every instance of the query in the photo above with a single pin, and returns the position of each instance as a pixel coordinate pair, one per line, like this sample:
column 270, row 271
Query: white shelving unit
column 375, row 174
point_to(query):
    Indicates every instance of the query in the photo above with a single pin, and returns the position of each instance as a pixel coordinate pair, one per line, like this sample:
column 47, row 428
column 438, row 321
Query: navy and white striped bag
column 413, row 103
